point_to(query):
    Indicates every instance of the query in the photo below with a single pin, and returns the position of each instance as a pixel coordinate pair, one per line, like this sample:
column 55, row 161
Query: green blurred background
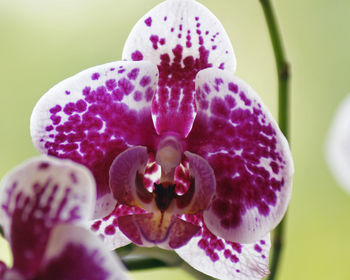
column 42, row 42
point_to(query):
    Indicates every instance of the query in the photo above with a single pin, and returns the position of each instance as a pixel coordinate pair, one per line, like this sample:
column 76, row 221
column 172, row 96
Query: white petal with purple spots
column 251, row 159
column 96, row 114
column 226, row 260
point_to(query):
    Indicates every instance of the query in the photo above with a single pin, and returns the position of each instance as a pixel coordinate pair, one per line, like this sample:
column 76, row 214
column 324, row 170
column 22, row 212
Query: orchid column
column 185, row 154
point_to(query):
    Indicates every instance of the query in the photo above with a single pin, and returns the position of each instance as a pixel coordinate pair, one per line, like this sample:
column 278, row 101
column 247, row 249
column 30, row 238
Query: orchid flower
column 185, row 154
column 338, row 145
column 44, row 204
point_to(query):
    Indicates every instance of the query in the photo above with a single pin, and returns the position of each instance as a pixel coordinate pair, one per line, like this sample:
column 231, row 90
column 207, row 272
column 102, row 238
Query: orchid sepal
column 181, row 37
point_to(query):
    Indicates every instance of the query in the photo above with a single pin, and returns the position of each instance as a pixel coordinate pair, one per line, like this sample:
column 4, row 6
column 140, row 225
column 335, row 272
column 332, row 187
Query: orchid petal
column 181, row 37
column 75, row 253
column 223, row 259
column 3, row 269
column 165, row 231
column 126, row 178
column 338, row 145
column 107, row 228
column 35, row 197
column 251, row 159
column 95, row 115
column 201, row 191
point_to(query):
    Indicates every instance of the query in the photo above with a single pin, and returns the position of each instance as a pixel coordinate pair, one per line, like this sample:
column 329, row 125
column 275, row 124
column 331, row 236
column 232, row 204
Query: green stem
column 139, row 263
column 138, row 258
column 283, row 113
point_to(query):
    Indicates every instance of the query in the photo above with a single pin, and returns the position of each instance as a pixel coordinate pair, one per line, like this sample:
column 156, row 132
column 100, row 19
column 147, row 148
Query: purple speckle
column 126, row 86
column 111, row 84
column 201, row 40
column 136, row 56
column 69, row 108
column 154, row 39
column 96, row 225
column 55, row 109
column 137, row 95
column 74, row 178
column 162, row 41
column 67, row 92
column 49, row 128
column 81, row 106
column 110, row 230
column 234, row 259
column 206, row 88
column 245, row 99
column 95, row 76
column 145, row 81
column 86, row 91
column 132, row 75
column 148, row 21
column 43, row 165
column 257, row 248
column 55, row 119
column 233, row 87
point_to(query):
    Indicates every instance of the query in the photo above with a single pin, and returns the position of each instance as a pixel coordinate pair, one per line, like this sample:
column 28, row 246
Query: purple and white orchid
column 185, row 154
column 45, row 202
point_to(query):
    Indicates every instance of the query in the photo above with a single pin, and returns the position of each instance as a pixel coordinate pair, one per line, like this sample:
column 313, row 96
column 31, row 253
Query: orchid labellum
column 185, row 154
column 44, row 204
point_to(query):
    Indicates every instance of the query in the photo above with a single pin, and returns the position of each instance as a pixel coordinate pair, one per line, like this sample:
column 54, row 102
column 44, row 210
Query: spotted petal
column 96, row 114
column 35, row 197
column 250, row 157
column 181, row 37
column 223, row 259
column 74, row 253
column 338, row 145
